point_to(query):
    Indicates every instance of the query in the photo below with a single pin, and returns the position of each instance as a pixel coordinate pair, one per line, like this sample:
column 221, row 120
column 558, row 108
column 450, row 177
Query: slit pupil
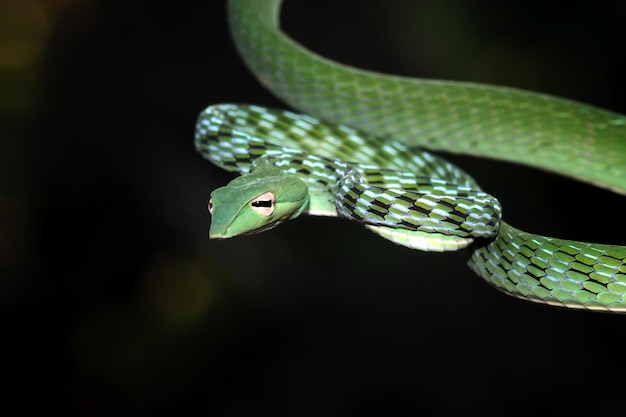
column 262, row 203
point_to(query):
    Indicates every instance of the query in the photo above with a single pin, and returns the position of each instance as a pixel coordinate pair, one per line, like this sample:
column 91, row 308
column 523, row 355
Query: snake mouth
column 218, row 236
column 226, row 235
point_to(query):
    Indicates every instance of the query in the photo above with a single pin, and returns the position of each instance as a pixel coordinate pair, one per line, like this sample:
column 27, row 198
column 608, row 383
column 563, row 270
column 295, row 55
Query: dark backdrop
column 114, row 302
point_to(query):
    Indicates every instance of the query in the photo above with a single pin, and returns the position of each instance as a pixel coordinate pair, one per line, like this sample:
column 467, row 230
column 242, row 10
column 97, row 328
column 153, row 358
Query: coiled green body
column 550, row 133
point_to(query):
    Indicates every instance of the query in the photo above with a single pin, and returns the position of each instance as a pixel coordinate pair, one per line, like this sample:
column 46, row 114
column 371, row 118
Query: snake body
column 550, row 133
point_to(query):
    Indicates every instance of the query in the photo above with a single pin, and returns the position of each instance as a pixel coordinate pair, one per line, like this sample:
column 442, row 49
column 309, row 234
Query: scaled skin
column 232, row 213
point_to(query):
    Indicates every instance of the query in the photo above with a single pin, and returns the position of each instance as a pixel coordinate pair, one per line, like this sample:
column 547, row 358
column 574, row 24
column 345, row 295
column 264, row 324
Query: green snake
column 333, row 161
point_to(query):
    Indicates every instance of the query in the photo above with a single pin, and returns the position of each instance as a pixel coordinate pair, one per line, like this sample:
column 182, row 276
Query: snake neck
column 321, row 175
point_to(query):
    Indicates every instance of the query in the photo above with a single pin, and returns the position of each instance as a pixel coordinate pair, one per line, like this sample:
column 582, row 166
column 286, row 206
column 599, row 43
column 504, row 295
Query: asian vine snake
column 293, row 164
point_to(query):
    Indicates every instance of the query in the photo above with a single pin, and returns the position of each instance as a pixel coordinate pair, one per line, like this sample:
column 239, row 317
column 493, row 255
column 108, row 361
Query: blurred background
column 114, row 302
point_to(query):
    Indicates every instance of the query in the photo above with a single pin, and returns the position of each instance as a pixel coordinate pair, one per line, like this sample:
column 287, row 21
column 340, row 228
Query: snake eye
column 264, row 204
column 211, row 205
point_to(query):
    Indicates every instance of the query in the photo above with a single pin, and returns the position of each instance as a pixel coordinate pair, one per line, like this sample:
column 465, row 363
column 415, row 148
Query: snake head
column 256, row 202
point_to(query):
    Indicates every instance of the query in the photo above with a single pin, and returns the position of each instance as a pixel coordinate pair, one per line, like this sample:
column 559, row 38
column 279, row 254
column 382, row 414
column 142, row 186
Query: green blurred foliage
column 114, row 302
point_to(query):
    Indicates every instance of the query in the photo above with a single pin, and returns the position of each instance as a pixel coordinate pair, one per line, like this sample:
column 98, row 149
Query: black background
column 114, row 302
